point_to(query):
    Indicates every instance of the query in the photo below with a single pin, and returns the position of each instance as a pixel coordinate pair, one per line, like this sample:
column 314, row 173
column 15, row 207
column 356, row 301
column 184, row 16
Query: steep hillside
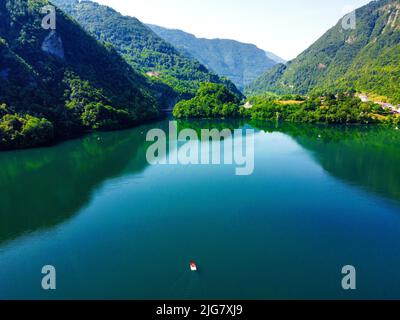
column 275, row 58
column 58, row 83
column 143, row 49
column 242, row 63
column 365, row 58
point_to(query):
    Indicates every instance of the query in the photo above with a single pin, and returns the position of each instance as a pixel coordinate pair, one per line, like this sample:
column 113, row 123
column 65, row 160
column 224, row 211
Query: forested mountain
column 366, row 58
column 58, row 83
column 143, row 49
column 240, row 62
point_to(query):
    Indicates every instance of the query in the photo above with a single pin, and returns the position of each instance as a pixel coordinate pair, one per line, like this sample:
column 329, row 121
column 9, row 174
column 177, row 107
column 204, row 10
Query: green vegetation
column 63, row 83
column 365, row 59
column 211, row 101
column 99, row 116
column 144, row 50
column 18, row 131
column 240, row 62
column 214, row 101
column 342, row 108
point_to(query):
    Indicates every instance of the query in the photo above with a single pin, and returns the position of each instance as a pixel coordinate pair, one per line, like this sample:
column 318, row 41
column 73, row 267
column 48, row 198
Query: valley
column 147, row 162
column 153, row 70
column 240, row 62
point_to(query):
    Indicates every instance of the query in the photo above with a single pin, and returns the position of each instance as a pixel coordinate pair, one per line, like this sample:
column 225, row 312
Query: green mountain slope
column 143, row 49
column 242, row 63
column 55, row 84
column 365, row 58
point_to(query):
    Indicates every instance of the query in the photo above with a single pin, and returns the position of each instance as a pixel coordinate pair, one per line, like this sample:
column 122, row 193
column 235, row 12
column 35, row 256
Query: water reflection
column 41, row 188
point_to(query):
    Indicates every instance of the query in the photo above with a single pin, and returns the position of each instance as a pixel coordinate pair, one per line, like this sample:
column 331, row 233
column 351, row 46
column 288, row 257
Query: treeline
column 86, row 109
column 215, row 101
column 331, row 108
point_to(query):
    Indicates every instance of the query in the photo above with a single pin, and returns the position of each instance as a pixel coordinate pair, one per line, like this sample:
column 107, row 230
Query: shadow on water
column 364, row 156
column 41, row 188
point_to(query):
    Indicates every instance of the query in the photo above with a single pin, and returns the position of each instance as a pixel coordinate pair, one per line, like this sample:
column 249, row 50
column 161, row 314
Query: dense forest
column 365, row 58
column 59, row 83
column 144, row 50
column 56, row 84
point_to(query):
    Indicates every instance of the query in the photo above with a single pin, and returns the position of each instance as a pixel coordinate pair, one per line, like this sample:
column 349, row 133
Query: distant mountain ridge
column 144, row 50
column 240, row 62
column 365, row 59
column 275, row 57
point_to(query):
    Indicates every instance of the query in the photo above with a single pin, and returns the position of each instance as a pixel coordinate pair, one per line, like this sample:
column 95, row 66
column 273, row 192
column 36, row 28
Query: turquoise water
column 115, row 227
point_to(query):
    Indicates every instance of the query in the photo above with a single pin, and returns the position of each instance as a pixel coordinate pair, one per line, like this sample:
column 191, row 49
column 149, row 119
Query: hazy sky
column 285, row 27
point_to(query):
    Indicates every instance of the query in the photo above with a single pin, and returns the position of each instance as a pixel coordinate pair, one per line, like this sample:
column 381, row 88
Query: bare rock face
column 53, row 45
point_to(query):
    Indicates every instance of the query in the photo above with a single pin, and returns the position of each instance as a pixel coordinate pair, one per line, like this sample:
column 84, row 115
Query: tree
column 24, row 131
column 98, row 116
column 211, row 101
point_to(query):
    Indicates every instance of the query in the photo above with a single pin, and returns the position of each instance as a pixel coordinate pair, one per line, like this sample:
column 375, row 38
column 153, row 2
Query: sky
column 284, row 27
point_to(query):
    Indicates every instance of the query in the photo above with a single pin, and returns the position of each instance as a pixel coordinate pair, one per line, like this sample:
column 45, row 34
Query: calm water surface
column 115, row 227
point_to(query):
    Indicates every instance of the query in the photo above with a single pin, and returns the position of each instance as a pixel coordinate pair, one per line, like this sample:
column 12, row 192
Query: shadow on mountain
column 364, row 156
column 41, row 188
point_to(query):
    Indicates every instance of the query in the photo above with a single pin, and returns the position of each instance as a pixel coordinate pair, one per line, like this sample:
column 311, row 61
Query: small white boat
column 193, row 266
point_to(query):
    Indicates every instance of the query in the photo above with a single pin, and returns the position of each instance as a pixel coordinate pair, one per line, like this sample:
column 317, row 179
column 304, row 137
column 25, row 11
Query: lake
column 115, row 227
